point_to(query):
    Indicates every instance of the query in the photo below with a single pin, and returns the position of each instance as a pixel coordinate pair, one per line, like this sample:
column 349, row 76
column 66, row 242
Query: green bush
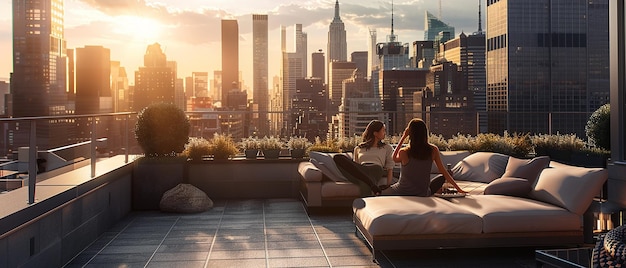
column 222, row 146
column 598, row 128
column 197, row 148
column 162, row 130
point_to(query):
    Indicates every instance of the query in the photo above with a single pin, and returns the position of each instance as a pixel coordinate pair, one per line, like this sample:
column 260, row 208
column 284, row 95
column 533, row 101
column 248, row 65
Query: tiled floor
column 264, row 233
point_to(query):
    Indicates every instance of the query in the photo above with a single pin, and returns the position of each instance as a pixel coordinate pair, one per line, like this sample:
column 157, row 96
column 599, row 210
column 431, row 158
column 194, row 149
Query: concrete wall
column 242, row 179
column 71, row 211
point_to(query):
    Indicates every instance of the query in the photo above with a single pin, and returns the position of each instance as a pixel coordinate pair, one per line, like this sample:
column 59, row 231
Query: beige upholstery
column 398, row 215
column 502, row 214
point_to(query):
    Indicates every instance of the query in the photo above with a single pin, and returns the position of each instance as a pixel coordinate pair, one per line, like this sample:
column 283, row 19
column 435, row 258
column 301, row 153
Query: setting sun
column 140, row 29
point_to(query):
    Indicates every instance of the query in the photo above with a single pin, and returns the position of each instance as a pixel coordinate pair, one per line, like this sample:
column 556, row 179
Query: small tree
column 162, row 130
column 598, row 128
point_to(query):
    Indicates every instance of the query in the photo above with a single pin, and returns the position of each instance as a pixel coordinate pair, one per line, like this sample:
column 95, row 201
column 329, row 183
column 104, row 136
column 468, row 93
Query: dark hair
column 418, row 135
column 368, row 134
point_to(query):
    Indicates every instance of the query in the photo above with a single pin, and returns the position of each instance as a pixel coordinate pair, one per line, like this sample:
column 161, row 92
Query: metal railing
column 112, row 134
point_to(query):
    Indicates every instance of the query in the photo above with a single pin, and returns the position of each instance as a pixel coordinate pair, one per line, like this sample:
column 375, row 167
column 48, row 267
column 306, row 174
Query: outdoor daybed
column 512, row 202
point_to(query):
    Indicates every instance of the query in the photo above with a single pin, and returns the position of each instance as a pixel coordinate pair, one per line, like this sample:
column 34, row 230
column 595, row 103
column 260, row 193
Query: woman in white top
column 372, row 159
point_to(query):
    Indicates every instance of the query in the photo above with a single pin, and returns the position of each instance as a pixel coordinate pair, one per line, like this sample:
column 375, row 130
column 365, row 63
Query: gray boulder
column 185, row 198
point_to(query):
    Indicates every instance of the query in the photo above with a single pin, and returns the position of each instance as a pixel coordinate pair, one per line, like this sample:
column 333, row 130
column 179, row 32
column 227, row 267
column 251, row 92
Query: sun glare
column 140, row 29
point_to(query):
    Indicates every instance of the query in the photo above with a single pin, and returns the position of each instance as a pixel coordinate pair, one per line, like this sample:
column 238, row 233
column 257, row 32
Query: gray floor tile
column 237, row 254
column 192, row 247
column 180, row 256
column 176, row 264
column 299, row 262
column 132, row 249
column 120, row 258
column 292, row 253
column 239, row 246
column 248, row 263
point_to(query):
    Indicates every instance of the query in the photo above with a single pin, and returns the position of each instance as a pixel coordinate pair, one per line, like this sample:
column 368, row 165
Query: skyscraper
column 372, row 62
column 360, row 58
column 300, row 39
column 93, row 80
column 230, row 58
column 318, row 65
column 551, row 76
column 259, row 71
column 292, row 70
column 434, row 25
column 155, row 81
column 337, row 45
column 38, row 84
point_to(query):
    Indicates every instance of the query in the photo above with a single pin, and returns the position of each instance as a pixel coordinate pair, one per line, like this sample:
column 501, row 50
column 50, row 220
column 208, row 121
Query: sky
column 189, row 30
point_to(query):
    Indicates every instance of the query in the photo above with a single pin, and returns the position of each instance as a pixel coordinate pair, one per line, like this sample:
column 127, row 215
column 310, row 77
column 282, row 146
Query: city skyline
column 179, row 28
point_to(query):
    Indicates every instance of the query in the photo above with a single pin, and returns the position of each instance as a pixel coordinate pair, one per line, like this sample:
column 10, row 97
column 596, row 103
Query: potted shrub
column 162, row 130
column 197, row 148
column 327, row 146
column 598, row 128
column 297, row 146
column 270, row 146
column 222, row 147
column 348, row 144
column 250, row 147
column 558, row 147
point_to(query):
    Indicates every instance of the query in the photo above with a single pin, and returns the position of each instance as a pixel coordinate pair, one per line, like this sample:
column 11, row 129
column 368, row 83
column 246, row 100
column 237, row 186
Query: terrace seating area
column 80, row 221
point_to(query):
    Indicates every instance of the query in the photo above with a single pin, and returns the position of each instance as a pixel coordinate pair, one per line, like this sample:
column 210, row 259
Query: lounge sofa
column 512, row 202
column 324, row 186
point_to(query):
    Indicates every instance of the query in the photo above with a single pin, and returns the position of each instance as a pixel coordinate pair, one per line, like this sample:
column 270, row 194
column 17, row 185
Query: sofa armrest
column 309, row 172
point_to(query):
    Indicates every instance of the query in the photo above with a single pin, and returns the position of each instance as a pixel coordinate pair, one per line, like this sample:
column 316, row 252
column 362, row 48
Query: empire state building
column 337, row 46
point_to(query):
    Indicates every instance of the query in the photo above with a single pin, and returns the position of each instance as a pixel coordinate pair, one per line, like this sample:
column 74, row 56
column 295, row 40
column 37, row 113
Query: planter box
column 245, row 179
column 152, row 177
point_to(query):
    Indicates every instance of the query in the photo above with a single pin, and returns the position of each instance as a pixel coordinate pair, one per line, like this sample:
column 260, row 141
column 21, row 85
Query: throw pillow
column 569, row 187
column 526, row 168
column 480, row 167
column 509, row 186
column 324, row 162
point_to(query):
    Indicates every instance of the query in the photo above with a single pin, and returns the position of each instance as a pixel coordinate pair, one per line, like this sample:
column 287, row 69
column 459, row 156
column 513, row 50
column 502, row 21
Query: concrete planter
column 152, row 176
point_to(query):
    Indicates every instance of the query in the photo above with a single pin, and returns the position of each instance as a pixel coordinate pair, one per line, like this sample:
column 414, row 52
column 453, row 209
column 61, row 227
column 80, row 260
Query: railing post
column 126, row 138
column 32, row 162
column 550, row 123
column 93, row 146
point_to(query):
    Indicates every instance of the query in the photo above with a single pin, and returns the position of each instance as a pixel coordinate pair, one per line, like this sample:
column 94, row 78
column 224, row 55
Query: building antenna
column 480, row 18
column 392, row 38
column 440, row 10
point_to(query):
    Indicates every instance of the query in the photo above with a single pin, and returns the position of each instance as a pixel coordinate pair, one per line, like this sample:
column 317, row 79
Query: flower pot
column 297, row 153
column 251, row 153
column 271, row 154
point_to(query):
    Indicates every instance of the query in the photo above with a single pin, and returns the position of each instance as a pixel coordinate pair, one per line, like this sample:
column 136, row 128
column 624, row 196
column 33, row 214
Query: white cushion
column 449, row 157
column 501, row 214
column 528, row 169
column 569, row 187
column 481, row 167
column 331, row 189
column 399, row 215
column 325, row 163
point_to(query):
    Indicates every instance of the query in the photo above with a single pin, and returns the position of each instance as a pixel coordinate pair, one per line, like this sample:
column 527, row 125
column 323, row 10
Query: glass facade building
column 547, row 64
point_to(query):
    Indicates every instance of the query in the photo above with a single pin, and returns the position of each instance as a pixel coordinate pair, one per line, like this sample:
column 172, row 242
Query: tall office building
column 155, row 81
column 292, row 70
column 318, row 65
column 300, row 40
column 338, row 71
column 468, row 53
column 200, row 84
column 308, row 104
column 337, row 45
column 359, row 106
column 93, row 80
column 260, row 72
column 119, row 87
column 360, row 58
column 230, row 58
column 423, row 54
column 38, row 81
column 547, row 70
column 433, row 26
column 372, row 62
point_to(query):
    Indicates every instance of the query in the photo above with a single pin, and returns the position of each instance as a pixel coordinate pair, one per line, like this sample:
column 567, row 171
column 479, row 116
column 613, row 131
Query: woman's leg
column 436, row 183
column 354, row 169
